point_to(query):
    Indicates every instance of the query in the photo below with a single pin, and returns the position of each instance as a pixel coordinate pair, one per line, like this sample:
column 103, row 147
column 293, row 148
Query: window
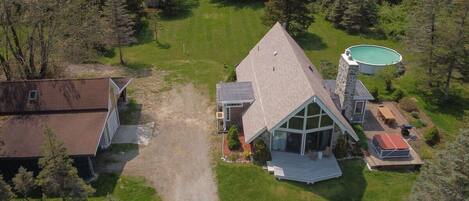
column 228, row 111
column 234, row 105
column 296, row 123
column 312, row 122
column 32, row 95
column 313, row 109
column 326, row 120
column 359, row 107
column 301, row 113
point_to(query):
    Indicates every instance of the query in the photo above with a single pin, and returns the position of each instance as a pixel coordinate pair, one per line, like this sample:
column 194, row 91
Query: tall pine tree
column 336, row 12
column 296, row 15
column 58, row 176
column 447, row 176
column 421, row 33
column 119, row 25
column 359, row 15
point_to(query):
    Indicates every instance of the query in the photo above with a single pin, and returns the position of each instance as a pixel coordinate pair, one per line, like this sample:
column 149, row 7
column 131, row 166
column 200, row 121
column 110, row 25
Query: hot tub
column 372, row 58
column 390, row 146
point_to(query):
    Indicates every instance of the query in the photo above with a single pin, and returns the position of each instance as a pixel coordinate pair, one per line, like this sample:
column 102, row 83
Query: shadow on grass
column 310, row 41
column 239, row 4
column 130, row 113
column 138, row 65
column 351, row 186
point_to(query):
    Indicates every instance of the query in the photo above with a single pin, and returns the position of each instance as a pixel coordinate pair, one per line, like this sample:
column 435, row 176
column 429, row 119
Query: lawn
column 123, row 188
column 250, row 182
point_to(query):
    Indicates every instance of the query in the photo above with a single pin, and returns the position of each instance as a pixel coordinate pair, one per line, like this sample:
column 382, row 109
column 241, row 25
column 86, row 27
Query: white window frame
column 362, row 109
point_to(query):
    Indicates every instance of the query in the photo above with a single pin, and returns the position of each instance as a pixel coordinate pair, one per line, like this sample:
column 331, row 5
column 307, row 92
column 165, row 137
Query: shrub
column 246, row 155
column 415, row 114
column 363, row 140
column 340, row 149
column 233, row 139
column 398, row 95
column 388, row 84
column 375, row 93
column 408, row 104
column 419, row 123
column 233, row 157
column 231, row 73
column 432, row 136
column 261, row 153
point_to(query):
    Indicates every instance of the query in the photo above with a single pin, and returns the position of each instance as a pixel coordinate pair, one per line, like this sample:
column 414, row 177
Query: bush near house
column 340, row 149
column 233, row 139
column 432, row 136
column 408, row 104
column 363, row 142
column 398, row 94
column 261, row 153
column 375, row 93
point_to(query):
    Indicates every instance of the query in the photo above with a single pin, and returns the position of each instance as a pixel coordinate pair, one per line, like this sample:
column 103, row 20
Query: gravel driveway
column 177, row 159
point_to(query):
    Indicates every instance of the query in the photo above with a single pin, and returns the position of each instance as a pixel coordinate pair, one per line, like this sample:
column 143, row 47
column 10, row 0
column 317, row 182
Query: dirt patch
column 177, row 160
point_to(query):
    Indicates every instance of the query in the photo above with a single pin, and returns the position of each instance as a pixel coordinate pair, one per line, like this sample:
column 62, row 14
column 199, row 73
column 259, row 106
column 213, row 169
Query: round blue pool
column 371, row 58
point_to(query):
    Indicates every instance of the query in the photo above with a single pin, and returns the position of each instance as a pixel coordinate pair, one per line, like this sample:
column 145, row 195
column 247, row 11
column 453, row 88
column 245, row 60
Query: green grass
column 123, row 188
column 195, row 48
column 250, row 182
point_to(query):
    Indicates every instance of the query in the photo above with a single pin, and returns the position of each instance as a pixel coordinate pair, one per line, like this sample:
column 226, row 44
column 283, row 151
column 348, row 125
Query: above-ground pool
column 372, row 58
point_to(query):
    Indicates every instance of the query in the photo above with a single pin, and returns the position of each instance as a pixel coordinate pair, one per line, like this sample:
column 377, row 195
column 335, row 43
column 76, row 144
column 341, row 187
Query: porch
column 296, row 167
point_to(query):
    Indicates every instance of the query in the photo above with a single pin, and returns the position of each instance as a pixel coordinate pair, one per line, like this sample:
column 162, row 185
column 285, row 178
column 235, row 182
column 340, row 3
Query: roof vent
column 275, row 53
column 32, row 95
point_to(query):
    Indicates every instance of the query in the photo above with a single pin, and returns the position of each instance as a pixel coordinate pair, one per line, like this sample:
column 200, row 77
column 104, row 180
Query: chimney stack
column 345, row 84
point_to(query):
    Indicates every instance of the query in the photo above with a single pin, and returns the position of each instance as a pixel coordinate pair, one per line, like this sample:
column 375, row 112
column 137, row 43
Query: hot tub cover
column 391, row 141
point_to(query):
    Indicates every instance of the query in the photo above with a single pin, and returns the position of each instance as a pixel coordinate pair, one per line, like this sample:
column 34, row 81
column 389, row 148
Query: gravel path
column 177, row 160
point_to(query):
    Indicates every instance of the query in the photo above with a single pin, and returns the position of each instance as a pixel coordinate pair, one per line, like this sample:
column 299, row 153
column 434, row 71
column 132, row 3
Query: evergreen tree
column 447, row 176
column 421, row 33
column 359, row 15
column 336, row 12
column 23, row 182
column 453, row 46
column 119, row 26
column 296, row 15
column 5, row 190
column 58, row 176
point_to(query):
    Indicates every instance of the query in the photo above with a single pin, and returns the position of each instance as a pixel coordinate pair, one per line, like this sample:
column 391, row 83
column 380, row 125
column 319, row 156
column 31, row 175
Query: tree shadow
column 310, row 41
column 239, row 4
column 350, row 186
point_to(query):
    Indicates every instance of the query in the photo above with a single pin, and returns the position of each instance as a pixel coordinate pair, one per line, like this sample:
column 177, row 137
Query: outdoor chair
column 327, row 152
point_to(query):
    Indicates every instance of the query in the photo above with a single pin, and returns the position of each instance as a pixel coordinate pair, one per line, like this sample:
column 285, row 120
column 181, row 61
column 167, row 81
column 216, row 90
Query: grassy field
column 123, row 188
column 250, row 182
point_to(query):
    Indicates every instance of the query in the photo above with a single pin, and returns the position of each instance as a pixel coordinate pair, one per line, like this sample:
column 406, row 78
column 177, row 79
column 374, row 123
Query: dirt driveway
column 177, row 160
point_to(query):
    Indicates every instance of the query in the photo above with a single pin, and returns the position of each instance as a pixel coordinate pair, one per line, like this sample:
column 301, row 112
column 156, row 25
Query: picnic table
column 386, row 114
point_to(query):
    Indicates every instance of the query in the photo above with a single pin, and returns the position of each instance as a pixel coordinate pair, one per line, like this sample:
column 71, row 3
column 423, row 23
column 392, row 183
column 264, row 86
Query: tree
column 176, row 7
column 40, row 35
column 421, row 33
column 23, row 182
column 452, row 50
column 156, row 25
column 58, row 176
column 336, row 12
column 447, row 176
column 5, row 190
column 295, row 15
column 119, row 26
column 359, row 15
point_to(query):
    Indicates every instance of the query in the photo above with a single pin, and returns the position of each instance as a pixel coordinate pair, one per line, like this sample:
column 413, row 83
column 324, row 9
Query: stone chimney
column 345, row 84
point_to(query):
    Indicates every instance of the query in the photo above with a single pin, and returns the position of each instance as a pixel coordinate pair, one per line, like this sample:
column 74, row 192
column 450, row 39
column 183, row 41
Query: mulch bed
column 244, row 145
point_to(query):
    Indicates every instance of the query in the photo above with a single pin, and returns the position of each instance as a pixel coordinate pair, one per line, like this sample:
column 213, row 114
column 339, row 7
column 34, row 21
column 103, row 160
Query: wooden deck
column 373, row 125
column 291, row 166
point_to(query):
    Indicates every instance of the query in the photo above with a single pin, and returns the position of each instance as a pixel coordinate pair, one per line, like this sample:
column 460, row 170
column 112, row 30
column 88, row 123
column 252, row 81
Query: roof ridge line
column 258, row 90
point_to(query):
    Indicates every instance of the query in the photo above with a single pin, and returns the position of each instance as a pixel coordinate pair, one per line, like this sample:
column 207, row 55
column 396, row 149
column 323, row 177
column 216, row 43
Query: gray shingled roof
column 235, row 92
column 283, row 79
column 361, row 92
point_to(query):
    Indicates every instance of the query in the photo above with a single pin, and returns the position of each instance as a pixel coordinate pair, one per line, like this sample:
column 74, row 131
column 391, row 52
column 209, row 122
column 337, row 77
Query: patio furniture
column 312, row 155
column 386, row 114
column 390, row 146
column 327, row 152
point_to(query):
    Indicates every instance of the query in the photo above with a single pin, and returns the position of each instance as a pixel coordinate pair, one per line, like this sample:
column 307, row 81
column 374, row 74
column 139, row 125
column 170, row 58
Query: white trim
column 341, row 125
column 236, row 102
column 123, row 87
column 256, row 135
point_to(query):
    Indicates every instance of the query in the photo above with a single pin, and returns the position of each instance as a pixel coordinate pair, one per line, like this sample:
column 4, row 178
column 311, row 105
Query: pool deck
column 373, row 125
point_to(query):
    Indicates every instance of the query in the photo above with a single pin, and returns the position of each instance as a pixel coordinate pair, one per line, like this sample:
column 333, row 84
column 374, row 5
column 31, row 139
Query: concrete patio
column 373, row 125
column 295, row 167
